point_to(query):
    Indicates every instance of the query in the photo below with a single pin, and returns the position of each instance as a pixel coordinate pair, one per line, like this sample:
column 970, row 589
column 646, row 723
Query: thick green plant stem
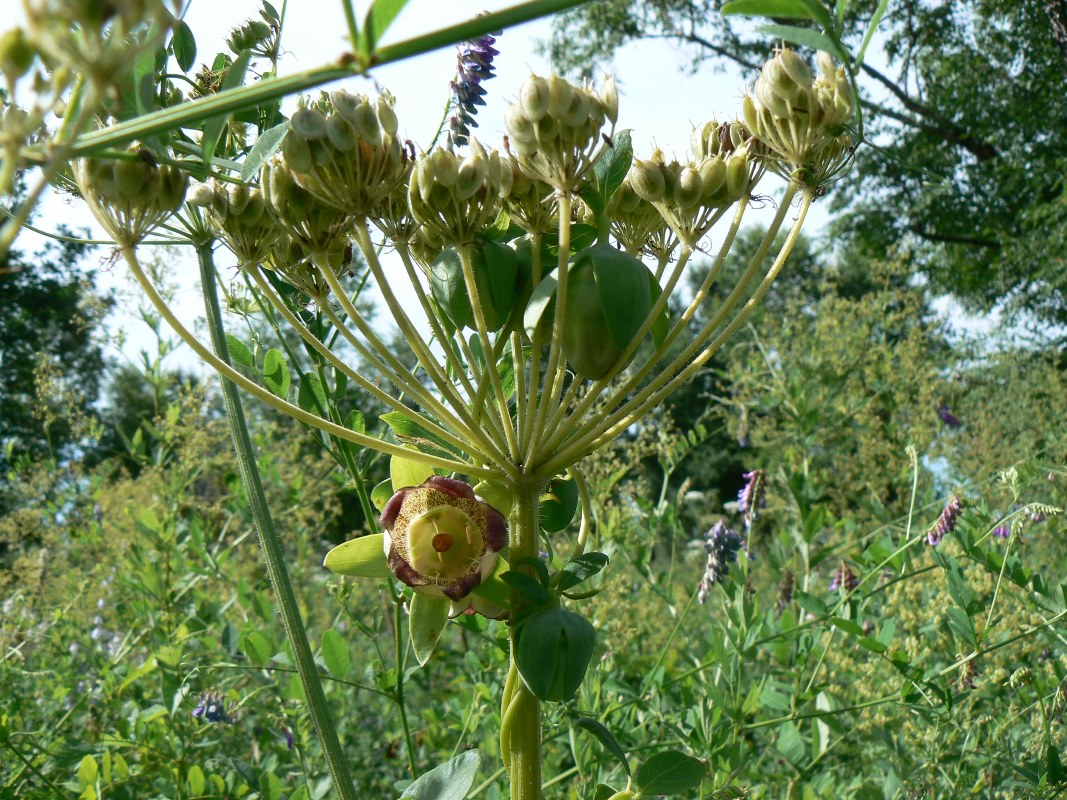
column 520, row 711
column 271, row 544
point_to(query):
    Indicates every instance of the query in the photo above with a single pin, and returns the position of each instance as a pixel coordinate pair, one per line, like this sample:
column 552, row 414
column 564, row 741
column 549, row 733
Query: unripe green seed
column 737, row 175
column 534, row 98
column 471, row 177
column 647, row 181
column 548, row 130
column 609, row 99
column 296, row 152
column 577, row 112
column 826, row 64
column 345, row 103
column 386, row 117
column 340, row 133
column 519, row 127
column 366, row 124
column 238, row 196
column 201, row 195
column 16, row 54
column 560, row 96
column 713, row 176
column 780, row 81
column 770, row 100
column 130, row 177
column 445, row 167
column 309, row 123
column 689, row 189
column 795, row 67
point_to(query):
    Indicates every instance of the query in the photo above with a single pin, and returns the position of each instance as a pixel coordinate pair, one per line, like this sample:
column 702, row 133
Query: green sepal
column 493, row 588
column 360, row 558
column 426, row 623
column 404, row 472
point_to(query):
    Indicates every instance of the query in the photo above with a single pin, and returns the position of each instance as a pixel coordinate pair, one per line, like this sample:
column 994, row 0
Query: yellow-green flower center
column 444, row 543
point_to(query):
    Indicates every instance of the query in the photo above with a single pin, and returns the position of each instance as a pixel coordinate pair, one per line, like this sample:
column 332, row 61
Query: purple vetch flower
column 945, row 414
column 474, row 64
column 1002, row 531
column 440, row 539
column 287, row 736
column 1037, row 516
column 211, row 708
column 946, row 523
column 844, row 578
column 722, row 544
column 752, row 496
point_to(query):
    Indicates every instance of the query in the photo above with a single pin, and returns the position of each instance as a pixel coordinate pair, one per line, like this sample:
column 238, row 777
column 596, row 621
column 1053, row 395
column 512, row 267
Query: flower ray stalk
column 682, row 368
column 421, row 350
column 526, row 418
column 366, row 385
column 272, row 549
column 283, row 406
column 490, row 351
column 555, row 367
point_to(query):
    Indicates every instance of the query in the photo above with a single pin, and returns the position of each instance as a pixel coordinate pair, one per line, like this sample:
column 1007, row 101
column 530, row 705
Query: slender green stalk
column 520, row 711
column 284, row 406
column 273, row 553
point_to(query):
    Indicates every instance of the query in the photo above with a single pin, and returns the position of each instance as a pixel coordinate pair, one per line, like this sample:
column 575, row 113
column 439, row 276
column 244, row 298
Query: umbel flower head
column 440, row 539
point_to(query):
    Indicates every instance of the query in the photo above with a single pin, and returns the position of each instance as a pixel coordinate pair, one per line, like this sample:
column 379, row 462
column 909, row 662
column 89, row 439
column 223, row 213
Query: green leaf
column 528, row 587
column 311, row 396
column 806, row 37
column 553, row 650
column 623, row 290
column 795, row 9
column 87, row 771
column 196, row 780
column 608, row 172
column 378, row 19
column 962, row 626
column 381, row 493
column 265, row 146
column 183, row 45
column 213, row 127
column 405, row 472
column 363, row 557
column 869, row 34
column 581, row 569
column 606, row 738
column 256, row 647
column 276, row 372
column 426, row 623
column 873, row 645
column 1053, row 766
column 848, row 626
column 239, row 352
column 408, row 429
column 539, row 306
column 791, row 744
column 449, row 781
column 335, row 653
column 670, row 772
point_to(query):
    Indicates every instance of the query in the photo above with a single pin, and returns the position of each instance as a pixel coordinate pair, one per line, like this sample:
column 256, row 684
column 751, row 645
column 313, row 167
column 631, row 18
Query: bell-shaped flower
column 440, row 539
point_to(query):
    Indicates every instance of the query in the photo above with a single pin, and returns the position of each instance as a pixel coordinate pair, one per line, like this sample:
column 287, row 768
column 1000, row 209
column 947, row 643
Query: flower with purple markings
column 844, row 578
column 474, row 65
column 722, row 545
column 946, row 523
column 440, row 539
column 210, row 707
column 752, row 496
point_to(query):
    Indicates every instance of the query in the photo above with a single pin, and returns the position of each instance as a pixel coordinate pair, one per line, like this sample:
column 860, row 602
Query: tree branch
column 949, row 238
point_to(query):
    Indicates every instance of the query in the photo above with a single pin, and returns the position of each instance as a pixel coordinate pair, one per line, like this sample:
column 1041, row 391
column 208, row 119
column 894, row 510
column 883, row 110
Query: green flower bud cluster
column 253, row 34
column 393, row 215
column 554, row 128
column 344, row 150
column 801, row 117
column 130, row 196
column 635, row 222
column 238, row 214
column 689, row 195
column 316, row 226
column 94, row 37
column 290, row 259
column 529, row 203
column 456, row 199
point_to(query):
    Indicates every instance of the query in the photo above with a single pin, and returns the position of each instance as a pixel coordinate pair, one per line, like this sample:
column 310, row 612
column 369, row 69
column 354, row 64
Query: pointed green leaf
column 335, row 653
column 256, row 647
column 796, row 9
column 378, row 19
column 805, row 37
column 360, row 558
column 239, row 352
column 87, row 771
column 670, row 772
column 213, row 127
column 608, row 172
column 311, row 396
column 528, row 587
column 449, row 781
column 426, row 623
column 265, row 146
column 581, row 569
column 183, row 45
column 276, row 372
column 606, row 738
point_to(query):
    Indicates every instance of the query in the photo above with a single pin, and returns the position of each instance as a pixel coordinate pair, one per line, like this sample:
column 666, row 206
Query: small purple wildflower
column 1002, row 531
column 945, row 414
column 287, row 737
column 752, row 496
column 474, row 64
column 211, row 708
column 845, row 578
column 1037, row 516
column 946, row 523
column 722, row 544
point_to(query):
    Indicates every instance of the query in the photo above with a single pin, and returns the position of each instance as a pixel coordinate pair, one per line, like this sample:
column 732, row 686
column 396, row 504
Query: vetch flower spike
column 946, row 523
column 440, row 539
